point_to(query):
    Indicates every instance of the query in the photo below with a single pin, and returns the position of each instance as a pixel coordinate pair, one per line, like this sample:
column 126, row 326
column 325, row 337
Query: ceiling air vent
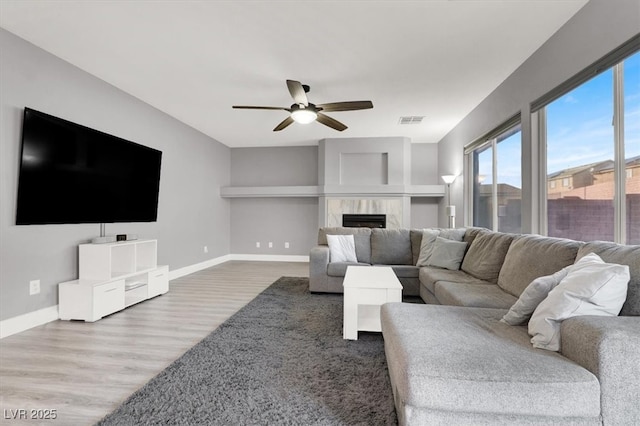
column 411, row 119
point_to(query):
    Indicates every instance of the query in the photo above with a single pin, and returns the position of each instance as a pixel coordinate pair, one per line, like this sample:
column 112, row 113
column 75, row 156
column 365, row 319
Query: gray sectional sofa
column 453, row 361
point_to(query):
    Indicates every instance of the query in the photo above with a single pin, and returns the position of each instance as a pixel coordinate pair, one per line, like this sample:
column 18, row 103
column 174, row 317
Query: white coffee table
column 366, row 288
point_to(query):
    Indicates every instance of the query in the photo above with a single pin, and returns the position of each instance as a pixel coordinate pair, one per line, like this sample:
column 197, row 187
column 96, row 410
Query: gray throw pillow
column 447, row 254
column 426, row 246
column 455, row 234
column 531, row 297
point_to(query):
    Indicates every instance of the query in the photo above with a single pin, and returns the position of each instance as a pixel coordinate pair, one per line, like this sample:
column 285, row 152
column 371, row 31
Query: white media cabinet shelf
column 112, row 276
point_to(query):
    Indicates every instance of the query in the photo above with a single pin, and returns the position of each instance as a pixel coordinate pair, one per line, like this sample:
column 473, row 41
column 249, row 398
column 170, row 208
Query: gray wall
column 277, row 220
column 424, row 171
column 295, row 220
column 598, row 28
column 191, row 214
column 387, row 160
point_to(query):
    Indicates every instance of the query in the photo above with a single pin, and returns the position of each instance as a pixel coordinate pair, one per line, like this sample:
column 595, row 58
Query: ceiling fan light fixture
column 304, row 116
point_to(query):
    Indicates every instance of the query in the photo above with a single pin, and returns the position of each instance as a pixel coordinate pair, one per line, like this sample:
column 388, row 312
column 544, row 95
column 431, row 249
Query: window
column 631, row 137
column 593, row 141
column 497, row 180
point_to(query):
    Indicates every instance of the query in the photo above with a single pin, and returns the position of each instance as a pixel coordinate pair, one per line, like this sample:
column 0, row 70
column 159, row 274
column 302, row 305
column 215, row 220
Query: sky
column 579, row 127
column 579, row 124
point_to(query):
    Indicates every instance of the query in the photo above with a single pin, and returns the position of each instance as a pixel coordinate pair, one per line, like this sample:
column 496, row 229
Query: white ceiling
column 195, row 59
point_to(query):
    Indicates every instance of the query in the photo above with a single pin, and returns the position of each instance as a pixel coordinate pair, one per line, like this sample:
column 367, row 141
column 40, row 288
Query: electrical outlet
column 206, row 249
column 257, row 244
column 34, row 287
column 270, row 244
column 286, row 244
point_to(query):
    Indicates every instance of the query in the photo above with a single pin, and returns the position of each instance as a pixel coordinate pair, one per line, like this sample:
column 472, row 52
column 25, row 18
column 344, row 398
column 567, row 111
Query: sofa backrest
column 391, row 247
column 624, row 255
column 361, row 237
column 415, row 235
column 486, row 254
column 533, row 256
column 470, row 234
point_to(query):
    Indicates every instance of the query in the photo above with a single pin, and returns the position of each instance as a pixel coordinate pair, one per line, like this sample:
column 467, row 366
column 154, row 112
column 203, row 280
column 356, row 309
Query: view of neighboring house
column 579, row 202
column 593, row 181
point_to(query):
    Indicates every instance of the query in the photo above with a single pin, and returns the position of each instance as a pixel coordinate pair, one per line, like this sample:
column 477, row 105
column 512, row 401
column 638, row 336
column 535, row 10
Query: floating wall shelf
column 414, row 191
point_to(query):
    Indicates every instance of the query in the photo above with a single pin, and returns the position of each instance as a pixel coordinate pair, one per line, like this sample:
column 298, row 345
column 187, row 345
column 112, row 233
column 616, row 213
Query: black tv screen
column 73, row 174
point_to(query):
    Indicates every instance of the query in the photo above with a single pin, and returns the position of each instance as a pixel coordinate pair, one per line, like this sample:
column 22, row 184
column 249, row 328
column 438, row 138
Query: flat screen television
column 73, row 174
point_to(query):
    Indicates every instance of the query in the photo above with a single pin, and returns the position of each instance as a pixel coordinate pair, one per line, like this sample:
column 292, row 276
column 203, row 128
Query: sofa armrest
column 609, row 347
column 318, row 263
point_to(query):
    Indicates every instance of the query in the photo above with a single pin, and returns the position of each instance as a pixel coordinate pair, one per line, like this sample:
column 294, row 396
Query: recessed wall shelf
column 413, row 191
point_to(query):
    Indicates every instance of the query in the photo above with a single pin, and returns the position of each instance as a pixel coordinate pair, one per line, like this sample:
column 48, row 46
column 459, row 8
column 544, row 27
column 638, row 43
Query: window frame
column 490, row 140
column 539, row 115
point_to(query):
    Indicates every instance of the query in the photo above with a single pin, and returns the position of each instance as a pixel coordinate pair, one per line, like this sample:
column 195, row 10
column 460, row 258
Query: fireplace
column 364, row 220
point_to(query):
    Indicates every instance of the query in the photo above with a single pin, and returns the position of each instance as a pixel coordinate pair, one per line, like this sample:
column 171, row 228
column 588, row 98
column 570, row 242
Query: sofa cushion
column 415, row 235
column 339, row 269
column 391, row 247
column 470, row 234
column 473, row 295
column 486, row 255
column 447, row 254
column 533, row 256
column 404, row 271
column 592, row 287
column 453, row 359
column 430, row 275
column 624, row 255
column 361, row 236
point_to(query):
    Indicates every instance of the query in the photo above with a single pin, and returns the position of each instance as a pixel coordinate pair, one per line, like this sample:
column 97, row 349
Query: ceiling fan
column 303, row 111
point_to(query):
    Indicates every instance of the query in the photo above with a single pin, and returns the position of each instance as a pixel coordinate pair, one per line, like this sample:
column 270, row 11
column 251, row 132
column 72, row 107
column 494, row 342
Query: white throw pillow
column 592, row 287
column 342, row 248
column 531, row 297
column 426, row 246
column 447, row 254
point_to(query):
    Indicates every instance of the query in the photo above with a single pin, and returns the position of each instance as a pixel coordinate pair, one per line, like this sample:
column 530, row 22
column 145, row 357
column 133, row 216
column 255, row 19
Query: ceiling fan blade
column 286, row 122
column 297, row 92
column 331, row 122
column 346, row 106
column 259, row 107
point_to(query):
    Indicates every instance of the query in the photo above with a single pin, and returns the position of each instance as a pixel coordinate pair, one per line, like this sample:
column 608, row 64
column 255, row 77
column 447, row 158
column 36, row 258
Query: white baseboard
column 29, row 320
column 270, row 257
column 181, row 272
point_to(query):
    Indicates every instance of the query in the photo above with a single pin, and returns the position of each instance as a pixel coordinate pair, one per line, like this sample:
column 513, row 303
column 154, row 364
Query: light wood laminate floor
column 85, row 370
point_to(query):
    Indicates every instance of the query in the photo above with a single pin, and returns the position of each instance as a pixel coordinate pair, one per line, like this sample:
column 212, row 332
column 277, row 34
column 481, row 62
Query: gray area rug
column 280, row 360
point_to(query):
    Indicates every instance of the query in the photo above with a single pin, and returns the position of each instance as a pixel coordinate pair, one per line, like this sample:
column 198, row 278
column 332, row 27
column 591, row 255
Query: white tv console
column 112, row 276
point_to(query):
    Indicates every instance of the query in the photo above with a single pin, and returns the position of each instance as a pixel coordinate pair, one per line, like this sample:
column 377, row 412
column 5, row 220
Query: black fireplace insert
column 364, row 220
